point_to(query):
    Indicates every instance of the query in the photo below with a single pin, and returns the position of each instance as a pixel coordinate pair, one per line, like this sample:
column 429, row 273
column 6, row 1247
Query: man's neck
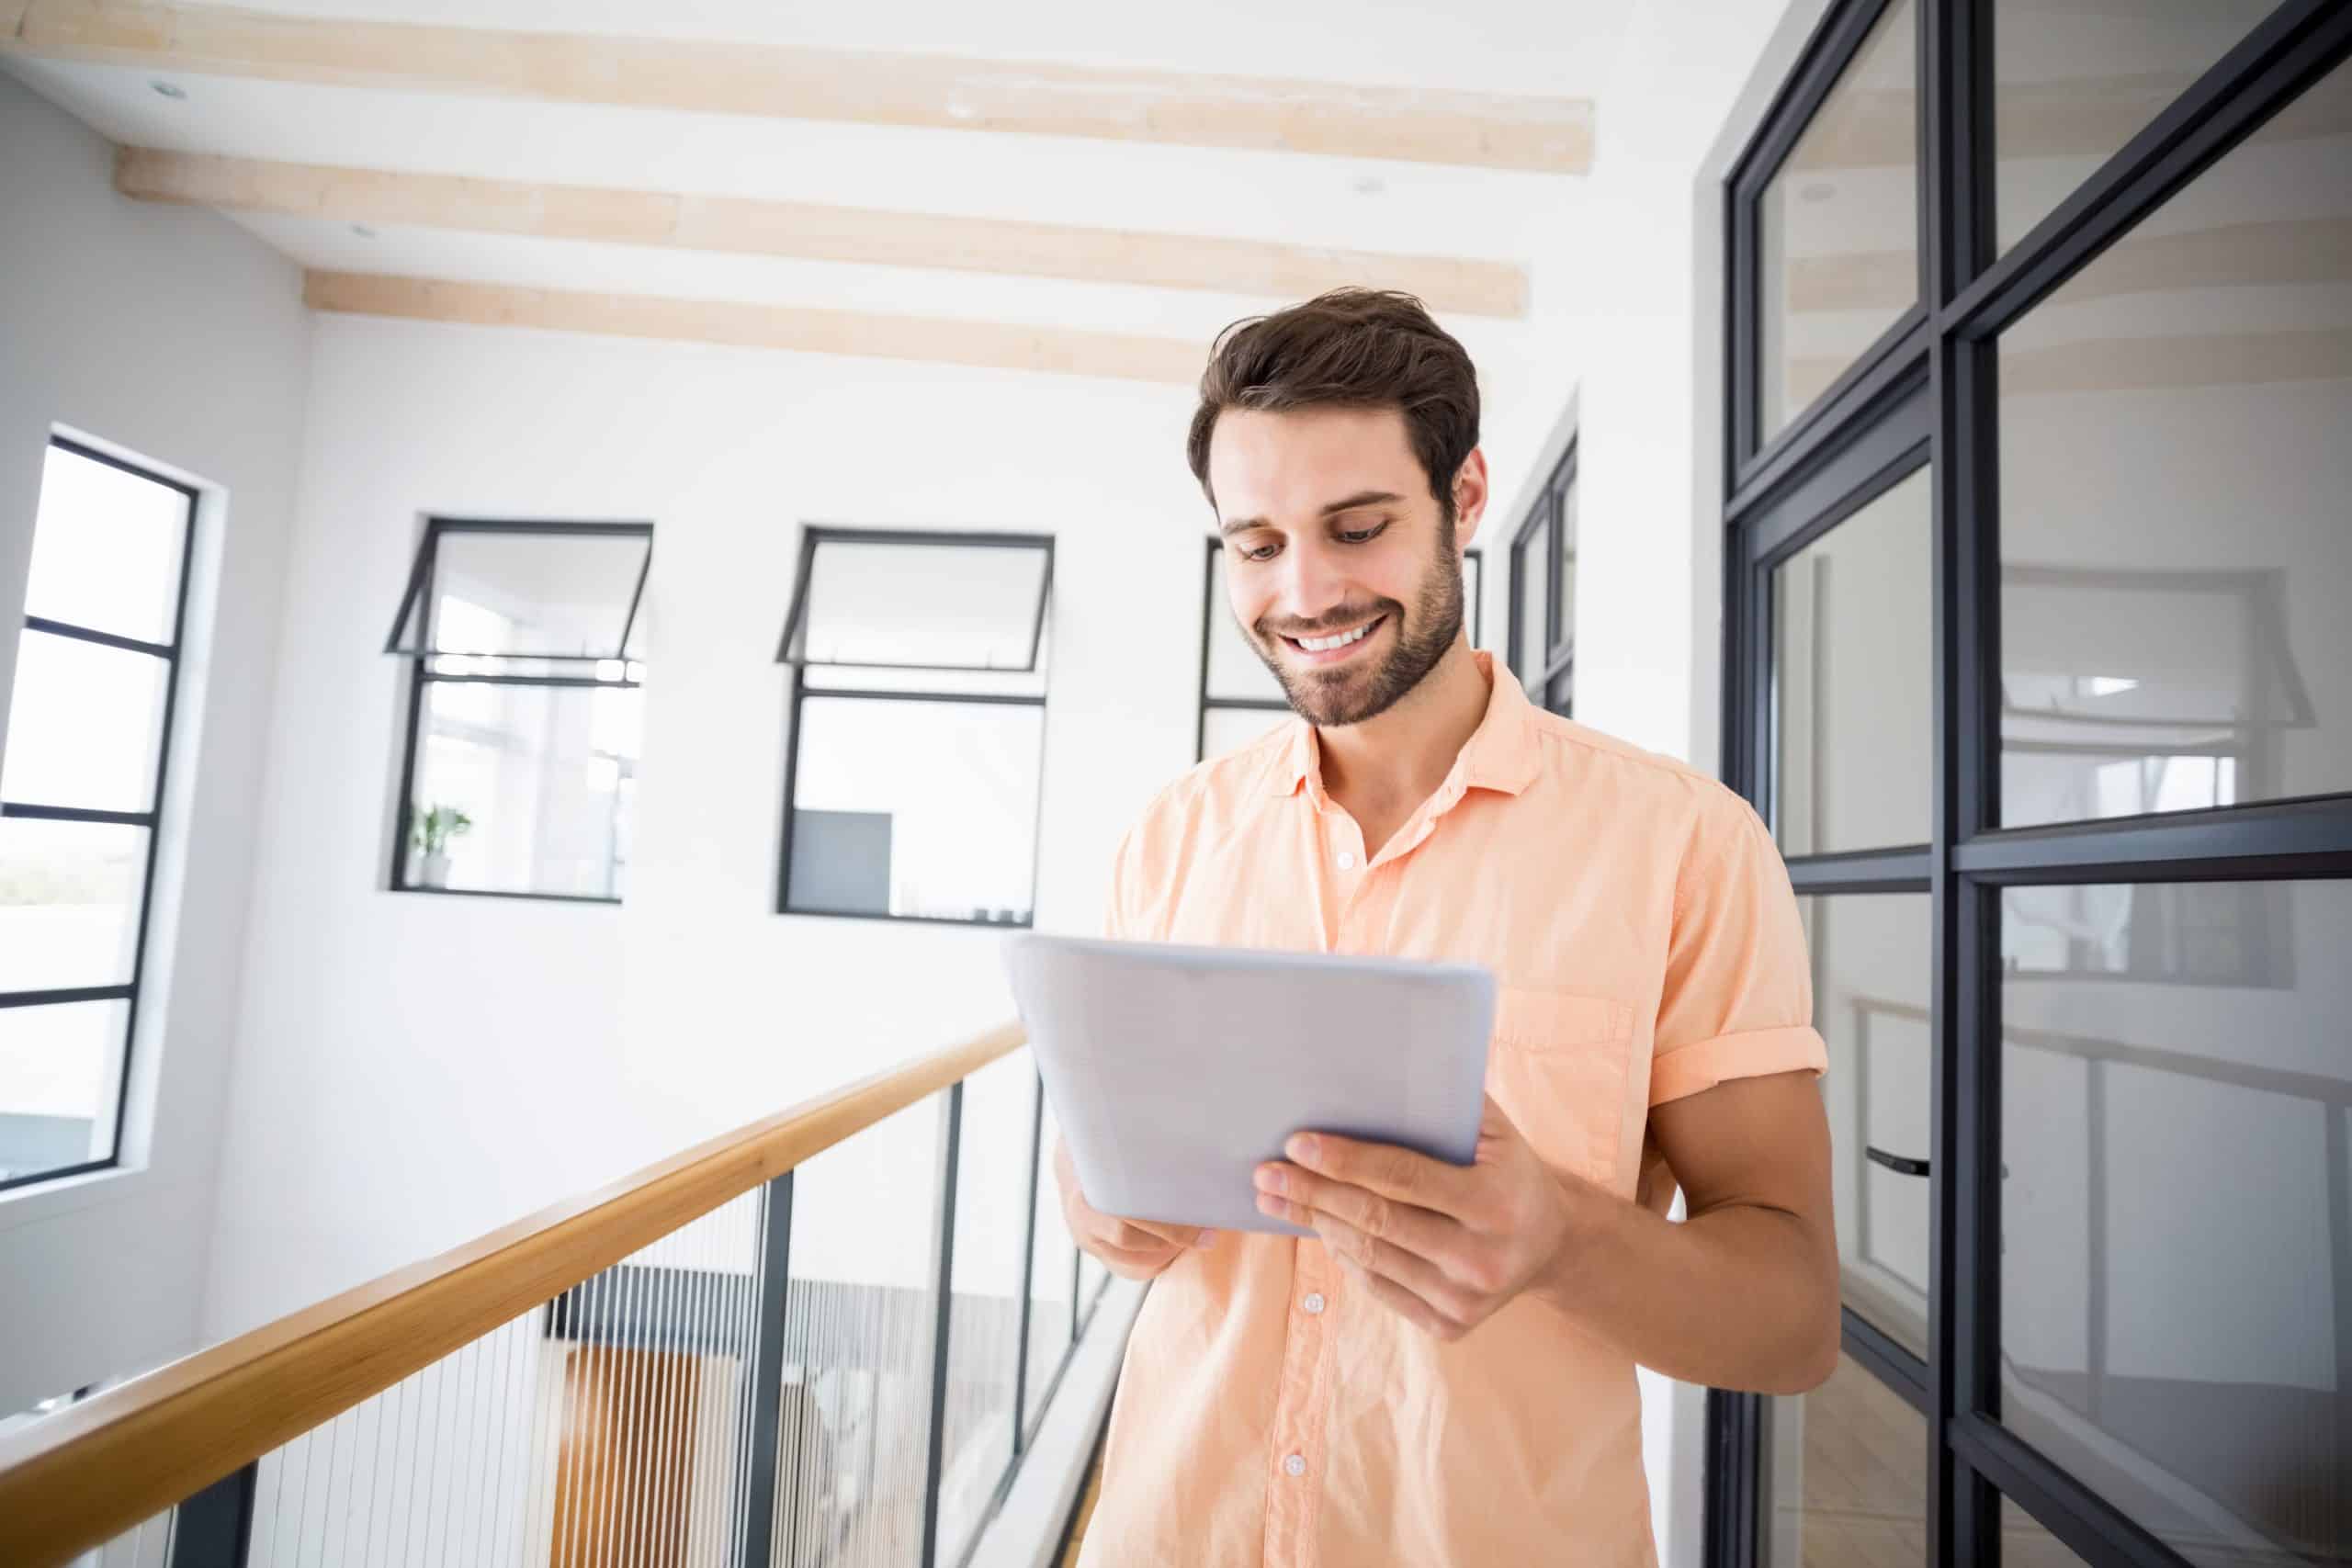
column 1381, row 770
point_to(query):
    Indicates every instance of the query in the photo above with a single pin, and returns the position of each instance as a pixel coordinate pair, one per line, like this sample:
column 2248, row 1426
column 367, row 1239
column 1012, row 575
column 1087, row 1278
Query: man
column 1445, row 1374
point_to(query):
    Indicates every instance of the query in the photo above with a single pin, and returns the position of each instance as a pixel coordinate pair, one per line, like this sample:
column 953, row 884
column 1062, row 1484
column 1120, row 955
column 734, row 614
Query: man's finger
column 1381, row 1167
column 1176, row 1235
column 1425, row 1277
column 1407, row 1225
column 1403, row 1302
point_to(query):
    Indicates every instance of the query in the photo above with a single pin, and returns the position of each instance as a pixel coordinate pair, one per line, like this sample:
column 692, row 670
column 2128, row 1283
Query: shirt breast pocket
column 1558, row 1068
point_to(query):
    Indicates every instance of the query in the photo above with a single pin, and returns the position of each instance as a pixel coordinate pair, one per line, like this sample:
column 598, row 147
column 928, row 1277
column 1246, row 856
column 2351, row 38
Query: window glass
column 86, row 725
column 2175, row 1166
column 1837, row 226
column 69, row 903
column 1845, row 1474
column 2173, row 472
column 1871, row 956
column 1530, row 569
column 545, row 777
column 2073, row 83
column 915, row 809
column 2025, row 1543
column 532, row 589
column 107, row 549
column 1563, row 628
column 899, row 603
column 1853, row 680
column 60, row 1070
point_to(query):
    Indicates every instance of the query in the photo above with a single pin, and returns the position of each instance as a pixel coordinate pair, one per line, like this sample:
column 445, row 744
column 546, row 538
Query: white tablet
column 1175, row 1071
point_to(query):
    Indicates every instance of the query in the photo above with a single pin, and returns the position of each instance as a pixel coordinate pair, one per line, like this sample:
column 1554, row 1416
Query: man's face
column 1341, row 566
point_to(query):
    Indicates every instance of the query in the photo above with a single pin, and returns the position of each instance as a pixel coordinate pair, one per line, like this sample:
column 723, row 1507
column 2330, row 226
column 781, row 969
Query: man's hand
column 1133, row 1249
column 1444, row 1245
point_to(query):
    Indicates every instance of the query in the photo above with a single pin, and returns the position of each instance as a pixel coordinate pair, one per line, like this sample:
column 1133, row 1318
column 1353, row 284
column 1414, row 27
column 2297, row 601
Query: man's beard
column 1351, row 695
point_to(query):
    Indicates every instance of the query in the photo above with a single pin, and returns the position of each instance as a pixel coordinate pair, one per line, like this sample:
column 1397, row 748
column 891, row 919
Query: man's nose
column 1313, row 583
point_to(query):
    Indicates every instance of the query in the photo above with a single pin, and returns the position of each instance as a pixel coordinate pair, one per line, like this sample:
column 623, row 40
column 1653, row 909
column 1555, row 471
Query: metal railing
column 826, row 1337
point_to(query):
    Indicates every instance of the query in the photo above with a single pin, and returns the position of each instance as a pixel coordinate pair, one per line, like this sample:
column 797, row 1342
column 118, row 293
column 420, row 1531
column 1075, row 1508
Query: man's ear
column 1470, row 493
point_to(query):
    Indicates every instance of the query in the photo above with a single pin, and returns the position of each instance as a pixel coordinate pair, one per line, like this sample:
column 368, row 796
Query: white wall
column 416, row 1070
column 181, row 339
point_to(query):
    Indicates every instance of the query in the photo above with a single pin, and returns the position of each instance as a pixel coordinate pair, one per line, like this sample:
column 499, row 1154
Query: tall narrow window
column 1240, row 699
column 918, row 726
column 81, row 787
column 1544, row 592
column 524, row 645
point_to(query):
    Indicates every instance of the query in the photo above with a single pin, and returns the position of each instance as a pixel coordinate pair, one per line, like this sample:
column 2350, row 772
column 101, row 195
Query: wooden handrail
column 95, row 1470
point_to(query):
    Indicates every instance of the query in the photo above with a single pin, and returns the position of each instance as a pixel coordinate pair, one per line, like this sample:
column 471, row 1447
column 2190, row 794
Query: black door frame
column 1924, row 392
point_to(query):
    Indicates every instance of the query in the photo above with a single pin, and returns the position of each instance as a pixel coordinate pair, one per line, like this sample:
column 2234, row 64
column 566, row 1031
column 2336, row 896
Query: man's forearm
column 1740, row 1297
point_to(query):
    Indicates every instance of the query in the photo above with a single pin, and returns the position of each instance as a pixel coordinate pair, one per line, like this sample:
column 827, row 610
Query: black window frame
column 419, row 599
column 132, row 993
column 1924, row 394
column 1555, row 667
column 802, row 693
column 1473, row 593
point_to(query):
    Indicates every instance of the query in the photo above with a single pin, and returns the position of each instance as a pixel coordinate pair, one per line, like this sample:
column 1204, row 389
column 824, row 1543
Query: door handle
column 1895, row 1162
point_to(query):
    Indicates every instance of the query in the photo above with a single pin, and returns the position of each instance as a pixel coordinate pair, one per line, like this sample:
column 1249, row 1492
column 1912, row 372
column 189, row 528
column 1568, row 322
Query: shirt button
column 1314, row 1303
column 1294, row 1465
column 1347, row 859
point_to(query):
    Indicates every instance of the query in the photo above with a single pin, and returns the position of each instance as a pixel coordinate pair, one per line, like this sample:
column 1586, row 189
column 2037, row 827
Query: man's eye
column 1362, row 535
column 1263, row 552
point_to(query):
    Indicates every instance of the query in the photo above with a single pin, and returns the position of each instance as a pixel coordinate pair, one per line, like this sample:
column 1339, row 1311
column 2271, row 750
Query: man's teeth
column 1325, row 644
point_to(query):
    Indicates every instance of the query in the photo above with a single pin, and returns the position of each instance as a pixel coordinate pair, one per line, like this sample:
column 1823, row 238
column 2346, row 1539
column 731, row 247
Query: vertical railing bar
column 468, row 1472
column 706, row 1318
column 459, row 1432
column 740, row 1472
column 496, row 1490
column 1028, row 1259
column 302, row 1494
column 667, row 1392
column 696, row 1312
column 573, row 1400
column 683, row 1293
column 747, row 1318
column 618, row 1364
column 547, row 1399
column 404, row 1470
column 522, row 1416
column 431, row 1455
column 640, row 1333
column 951, row 1134
column 767, row 1371
column 390, row 1404
column 276, row 1502
column 351, row 1512
column 597, row 1489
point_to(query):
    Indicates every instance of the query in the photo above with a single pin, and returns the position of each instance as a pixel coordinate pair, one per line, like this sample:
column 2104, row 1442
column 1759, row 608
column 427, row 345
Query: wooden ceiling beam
column 995, row 345
column 1180, row 108
column 810, row 232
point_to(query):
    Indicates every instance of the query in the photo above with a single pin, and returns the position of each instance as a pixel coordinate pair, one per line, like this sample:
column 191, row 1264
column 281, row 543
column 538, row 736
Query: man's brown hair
column 1349, row 348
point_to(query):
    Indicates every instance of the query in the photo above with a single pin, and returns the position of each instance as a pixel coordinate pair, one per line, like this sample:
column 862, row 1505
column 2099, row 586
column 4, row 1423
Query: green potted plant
column 431, row 830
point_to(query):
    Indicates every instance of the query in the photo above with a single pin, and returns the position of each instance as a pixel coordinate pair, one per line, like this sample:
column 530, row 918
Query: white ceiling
column 1507, row 46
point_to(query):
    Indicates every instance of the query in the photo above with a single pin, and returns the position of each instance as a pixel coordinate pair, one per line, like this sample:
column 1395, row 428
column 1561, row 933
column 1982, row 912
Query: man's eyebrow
column 1330, row 509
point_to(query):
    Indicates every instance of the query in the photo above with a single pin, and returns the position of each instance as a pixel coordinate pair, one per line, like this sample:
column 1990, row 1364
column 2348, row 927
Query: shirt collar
column 1499, row 755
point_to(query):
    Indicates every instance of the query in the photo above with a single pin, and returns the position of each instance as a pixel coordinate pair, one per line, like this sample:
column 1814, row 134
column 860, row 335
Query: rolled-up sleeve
column 1738, row 1001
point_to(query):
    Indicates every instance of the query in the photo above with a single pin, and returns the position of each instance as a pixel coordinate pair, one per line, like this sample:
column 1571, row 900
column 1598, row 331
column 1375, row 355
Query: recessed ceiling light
column 171, row 90
column 364, row 232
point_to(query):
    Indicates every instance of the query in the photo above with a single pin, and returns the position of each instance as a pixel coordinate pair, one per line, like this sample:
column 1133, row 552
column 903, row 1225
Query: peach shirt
column 1640, row 925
